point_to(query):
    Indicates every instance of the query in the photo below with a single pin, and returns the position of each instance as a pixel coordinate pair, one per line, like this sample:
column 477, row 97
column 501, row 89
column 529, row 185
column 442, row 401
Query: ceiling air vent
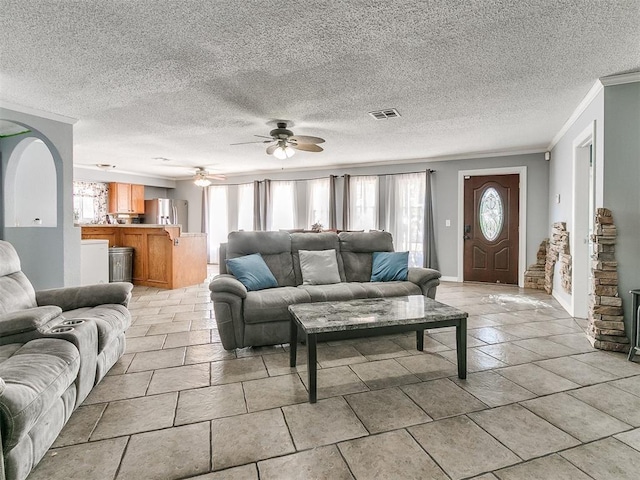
column 384, row 114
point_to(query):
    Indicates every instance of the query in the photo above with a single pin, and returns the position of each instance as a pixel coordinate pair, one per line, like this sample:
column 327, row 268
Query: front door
column 491, row 221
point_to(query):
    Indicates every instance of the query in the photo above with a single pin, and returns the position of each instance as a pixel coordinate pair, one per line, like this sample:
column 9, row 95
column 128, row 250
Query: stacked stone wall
column 606, row 316
column 534, row 276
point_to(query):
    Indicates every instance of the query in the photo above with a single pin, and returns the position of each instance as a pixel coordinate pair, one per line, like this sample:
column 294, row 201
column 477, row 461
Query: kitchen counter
column 163, row 256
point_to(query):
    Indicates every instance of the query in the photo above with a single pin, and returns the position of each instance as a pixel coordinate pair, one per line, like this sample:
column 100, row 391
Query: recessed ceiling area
column 185, row 80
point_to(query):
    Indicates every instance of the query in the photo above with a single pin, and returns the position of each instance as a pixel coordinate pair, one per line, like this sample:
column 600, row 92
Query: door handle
column 467, row 231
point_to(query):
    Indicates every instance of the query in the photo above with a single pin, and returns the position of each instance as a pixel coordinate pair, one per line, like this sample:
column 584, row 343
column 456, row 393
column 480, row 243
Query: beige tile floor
column 538, row 403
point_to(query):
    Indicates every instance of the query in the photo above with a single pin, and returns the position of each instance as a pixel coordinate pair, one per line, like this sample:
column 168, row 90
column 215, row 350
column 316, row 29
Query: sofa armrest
column 227, row 284
column 70, row 298
column 22, row 321
column 426, row 278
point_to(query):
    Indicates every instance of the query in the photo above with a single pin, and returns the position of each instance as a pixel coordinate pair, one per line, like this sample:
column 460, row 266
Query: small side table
column 635, row 325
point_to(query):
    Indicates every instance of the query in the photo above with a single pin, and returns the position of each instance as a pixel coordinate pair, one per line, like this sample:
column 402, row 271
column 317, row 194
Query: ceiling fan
column 202, row 177
column 284, row 143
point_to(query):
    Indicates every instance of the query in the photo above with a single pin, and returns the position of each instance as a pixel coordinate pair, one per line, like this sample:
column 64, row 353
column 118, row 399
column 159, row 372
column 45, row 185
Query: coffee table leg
column 312, row 367
column 420, row 340
column 293, row 342
column 461, row 347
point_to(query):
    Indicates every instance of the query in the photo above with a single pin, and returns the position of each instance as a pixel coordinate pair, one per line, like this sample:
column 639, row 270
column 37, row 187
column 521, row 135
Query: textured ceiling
column 183, row 80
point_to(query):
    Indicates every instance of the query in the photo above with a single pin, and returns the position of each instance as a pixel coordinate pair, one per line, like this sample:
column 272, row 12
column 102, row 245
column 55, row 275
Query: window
column 363, row 203
column 283, row 205
column 245, row 206
column 491, row 214
column 318, row 202
column 405, row 214
column 218, row 221
column 89, row 202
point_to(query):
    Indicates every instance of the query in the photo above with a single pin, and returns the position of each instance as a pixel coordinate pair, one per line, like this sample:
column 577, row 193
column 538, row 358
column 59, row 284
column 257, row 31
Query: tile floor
column 538, row 403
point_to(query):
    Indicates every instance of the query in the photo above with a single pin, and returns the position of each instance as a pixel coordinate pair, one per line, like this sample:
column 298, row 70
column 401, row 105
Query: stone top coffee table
column 372, row 316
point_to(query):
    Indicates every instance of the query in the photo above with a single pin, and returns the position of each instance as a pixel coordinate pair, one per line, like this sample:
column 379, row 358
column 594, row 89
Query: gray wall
column 561, row 175
column 622, row 182
column 445, row 190
column 50, row 256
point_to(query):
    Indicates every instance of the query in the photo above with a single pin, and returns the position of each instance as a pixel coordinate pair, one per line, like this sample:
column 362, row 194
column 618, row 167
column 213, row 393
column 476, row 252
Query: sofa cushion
column 252, row 272
column 356, row 250
column 319, row 267
column 272, row 304
column 36, row 375
column 314, row 241
column 390, row 289
column 275, row 248
column 111, row 320
column 389, row 266
column 335, row 292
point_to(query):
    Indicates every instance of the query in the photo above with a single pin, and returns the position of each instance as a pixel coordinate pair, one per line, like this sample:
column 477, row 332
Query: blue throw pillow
column 390, row 266
column 252, row 272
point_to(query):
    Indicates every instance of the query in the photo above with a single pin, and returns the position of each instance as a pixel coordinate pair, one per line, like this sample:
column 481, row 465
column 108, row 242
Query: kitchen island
column 163, row 255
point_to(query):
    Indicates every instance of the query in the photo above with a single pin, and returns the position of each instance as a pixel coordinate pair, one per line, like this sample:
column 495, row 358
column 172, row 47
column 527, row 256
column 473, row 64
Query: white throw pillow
column 319, row 267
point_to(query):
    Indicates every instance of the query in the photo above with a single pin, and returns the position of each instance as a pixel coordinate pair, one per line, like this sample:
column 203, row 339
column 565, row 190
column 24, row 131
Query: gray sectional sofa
column 255, row 318
column 55, row 345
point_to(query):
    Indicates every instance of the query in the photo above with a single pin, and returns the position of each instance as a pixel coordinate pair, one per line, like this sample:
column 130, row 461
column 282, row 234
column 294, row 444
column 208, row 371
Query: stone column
column 606, row 316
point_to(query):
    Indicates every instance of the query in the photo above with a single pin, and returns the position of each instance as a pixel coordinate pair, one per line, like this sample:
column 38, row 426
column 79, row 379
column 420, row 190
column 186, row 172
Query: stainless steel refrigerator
column 166, row 211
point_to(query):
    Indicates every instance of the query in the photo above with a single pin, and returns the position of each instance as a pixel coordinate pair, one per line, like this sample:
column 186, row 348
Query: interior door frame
column 581, row 264
column 522, row 215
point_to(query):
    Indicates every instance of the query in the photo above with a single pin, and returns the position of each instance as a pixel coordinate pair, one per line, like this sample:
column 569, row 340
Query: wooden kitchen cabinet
column 163, row 256
column 126, row 198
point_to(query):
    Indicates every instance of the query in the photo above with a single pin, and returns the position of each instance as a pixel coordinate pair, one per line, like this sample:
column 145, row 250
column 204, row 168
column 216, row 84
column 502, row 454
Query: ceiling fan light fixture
column 202, row 181
column 283, row 152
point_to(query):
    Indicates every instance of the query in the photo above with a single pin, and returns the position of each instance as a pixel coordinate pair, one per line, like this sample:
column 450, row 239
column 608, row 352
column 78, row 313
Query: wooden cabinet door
column 137, row 199
column 119, row 198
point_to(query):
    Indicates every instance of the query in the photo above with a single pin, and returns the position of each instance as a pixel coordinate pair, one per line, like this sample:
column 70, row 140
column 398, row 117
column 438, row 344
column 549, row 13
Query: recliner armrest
column 227, row 284
column 27, row 320
column 70, row 298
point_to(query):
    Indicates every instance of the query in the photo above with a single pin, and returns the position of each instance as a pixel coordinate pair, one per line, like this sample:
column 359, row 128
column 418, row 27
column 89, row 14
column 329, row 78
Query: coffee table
column 324, row 321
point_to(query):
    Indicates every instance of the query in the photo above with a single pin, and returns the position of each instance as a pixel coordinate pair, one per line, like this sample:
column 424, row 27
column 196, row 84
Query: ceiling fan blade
column 307, row 147
column 257, row 141
column 272, row 149
column 216, row 177
column 263, row 136
column 306, row 139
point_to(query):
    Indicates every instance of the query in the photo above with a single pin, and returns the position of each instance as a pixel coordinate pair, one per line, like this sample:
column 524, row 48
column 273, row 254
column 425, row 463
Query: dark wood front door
column 491, row 223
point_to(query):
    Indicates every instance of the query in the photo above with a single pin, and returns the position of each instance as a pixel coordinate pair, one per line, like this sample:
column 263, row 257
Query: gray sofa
column 261, row 317
column 55, row 345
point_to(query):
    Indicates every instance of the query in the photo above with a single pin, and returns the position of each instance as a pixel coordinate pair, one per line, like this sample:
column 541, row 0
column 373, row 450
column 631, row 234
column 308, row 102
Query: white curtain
column 363, row 203
column 218, row 221
column 282, row 205
column 245, row 206
column 318, row 202
column 405, row 214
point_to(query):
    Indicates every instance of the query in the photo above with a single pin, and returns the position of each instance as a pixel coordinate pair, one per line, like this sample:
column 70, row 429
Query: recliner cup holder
column 72, row 322
column 61, row 329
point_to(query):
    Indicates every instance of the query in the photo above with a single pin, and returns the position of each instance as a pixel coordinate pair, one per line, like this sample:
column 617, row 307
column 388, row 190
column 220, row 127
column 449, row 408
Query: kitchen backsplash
column 90, row 202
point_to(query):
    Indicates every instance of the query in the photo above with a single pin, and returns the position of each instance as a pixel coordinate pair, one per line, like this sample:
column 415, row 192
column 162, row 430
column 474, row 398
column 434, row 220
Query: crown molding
column 621, row 79
column 582, row 106
column 384, row 163
column 37, row 113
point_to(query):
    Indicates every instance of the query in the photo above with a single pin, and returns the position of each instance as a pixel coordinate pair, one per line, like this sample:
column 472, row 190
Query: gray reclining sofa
column 55, row 345
column 255, row 318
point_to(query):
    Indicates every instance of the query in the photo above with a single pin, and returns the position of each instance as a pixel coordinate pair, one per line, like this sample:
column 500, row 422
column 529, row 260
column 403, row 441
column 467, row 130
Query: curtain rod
column 327, row 176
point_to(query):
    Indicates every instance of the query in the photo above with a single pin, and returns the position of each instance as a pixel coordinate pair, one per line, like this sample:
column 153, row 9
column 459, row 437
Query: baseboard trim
column 449, row 279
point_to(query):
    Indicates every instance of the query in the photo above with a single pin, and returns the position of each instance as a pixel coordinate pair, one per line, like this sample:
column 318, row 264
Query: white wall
column 561, row 177
column 445, row 191
column 34, row 190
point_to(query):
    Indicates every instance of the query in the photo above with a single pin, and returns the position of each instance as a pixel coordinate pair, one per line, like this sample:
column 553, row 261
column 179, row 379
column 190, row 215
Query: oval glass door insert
column 491, row 214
